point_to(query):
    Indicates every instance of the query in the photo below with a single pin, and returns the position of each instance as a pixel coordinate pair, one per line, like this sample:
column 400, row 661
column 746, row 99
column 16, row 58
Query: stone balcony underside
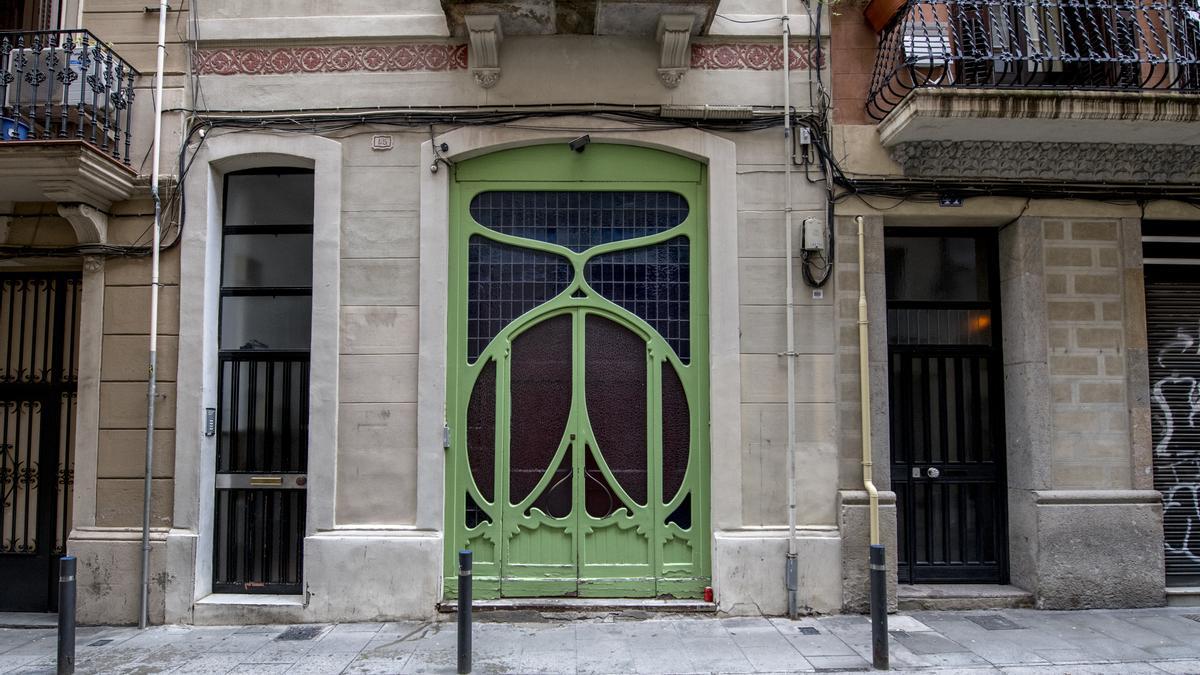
column 1080, row 136
column 62, row 171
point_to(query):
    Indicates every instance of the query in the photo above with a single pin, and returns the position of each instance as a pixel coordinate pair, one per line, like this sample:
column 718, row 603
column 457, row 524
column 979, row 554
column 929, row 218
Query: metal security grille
column 1173, row 332
column 579, row 220
column 39, row 335
column 651, row 282
column 262, row 440
column 504, row 282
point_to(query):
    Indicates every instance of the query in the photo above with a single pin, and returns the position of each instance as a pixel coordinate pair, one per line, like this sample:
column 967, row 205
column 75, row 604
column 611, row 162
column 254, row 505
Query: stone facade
column 1073, row 344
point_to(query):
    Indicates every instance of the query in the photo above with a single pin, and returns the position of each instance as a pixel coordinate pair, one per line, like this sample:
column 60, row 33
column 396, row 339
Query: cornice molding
column 1035, row 160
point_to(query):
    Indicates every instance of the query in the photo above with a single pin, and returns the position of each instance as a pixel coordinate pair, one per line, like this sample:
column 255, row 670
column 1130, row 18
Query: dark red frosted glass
column 555, row 500
column 676, row 432
column 540, row 389
column 615, row 378
column 599, row 497
column 481, row 431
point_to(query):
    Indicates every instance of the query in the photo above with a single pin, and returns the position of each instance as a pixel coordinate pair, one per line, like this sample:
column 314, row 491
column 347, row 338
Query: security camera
column 580, row 143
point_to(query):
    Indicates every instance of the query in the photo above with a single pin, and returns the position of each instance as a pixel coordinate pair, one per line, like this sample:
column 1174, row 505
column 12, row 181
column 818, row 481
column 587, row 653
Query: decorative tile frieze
column 1029, row 160
column 752, row 56
column 440, row 57
column 331, row 59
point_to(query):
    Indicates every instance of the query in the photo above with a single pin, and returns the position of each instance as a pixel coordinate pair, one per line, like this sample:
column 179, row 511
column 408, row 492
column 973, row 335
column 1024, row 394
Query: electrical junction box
column 812, row 237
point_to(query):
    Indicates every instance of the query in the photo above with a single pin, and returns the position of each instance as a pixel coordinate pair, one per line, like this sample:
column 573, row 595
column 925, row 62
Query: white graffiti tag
column 1176, row 396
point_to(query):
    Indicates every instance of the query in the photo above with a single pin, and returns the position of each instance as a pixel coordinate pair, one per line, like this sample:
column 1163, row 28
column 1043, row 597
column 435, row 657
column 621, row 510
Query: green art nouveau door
column 578, row 392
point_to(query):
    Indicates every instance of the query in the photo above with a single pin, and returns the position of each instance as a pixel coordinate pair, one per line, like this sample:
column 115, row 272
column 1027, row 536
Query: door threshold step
column 962, row 596
column 583, row 605
column 28, row 620
column 1183, row 596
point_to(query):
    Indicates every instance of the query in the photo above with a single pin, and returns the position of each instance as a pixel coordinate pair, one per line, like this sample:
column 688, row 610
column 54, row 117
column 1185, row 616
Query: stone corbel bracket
column 483, row 53
column 674, row 37
column 90, row 224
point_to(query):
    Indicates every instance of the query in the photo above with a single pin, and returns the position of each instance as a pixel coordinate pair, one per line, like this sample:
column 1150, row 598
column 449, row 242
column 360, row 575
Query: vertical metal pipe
column 152, row 373
column 879, row 634
column 465, row 592
column 66, row 615
column 864, row 388
column 877, row 559
column 790, row 566
column 464, row 612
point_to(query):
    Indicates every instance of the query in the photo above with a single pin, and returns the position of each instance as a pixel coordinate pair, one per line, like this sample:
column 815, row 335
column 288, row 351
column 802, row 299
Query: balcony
column 66, row 102
column 1011, row 78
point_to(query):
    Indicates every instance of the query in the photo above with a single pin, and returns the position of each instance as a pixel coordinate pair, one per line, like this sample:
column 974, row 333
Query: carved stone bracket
column 674, row 38
column 483, row 54
column 1029, row 160
column 90, row 224
column 93, row 263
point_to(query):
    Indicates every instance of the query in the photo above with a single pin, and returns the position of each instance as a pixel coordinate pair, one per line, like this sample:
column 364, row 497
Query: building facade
column 563, row 285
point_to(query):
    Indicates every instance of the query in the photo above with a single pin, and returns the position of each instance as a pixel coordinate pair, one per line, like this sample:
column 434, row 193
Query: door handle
column 933, row 472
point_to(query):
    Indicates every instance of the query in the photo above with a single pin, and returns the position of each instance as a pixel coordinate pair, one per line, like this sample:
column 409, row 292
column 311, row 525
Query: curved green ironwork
column 636, row 550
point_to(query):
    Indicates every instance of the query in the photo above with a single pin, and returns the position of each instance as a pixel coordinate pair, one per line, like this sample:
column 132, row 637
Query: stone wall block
column 1095, row 555
column 854, row 521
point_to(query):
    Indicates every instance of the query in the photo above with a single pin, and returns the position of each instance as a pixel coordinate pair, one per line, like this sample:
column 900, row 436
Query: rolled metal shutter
column 1173, row 325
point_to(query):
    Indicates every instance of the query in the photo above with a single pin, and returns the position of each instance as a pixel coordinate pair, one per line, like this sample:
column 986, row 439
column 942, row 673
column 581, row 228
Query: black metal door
column 39, row 334
column 946, row 399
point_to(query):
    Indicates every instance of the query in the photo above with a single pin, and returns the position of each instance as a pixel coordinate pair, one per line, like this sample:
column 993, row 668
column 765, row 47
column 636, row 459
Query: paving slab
column 978, row 641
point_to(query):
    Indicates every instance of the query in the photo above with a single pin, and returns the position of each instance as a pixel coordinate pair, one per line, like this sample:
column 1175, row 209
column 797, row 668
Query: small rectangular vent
column 297, row 633
column 993, row 622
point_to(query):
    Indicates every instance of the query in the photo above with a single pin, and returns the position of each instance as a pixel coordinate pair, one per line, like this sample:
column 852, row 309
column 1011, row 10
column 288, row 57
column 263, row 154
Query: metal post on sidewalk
column 66, row 615
column 879, row 631
column 464, row 612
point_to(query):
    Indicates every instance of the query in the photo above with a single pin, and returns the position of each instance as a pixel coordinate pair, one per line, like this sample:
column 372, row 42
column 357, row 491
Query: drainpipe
column 865, row 390
column 790, row 567
column 877, row 561
column 152, row 379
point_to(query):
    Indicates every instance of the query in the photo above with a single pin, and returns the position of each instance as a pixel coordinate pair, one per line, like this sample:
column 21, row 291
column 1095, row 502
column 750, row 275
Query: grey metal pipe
column 879, row 622
column 464, row 612
column 66, row 615
column 152, row 372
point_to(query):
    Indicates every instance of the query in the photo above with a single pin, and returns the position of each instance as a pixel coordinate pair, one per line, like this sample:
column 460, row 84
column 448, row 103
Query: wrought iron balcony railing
column 1022, row 44
column 64, row 85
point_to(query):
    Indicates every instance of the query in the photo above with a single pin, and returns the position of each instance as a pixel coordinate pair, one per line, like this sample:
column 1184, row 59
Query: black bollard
column 464, row 612
column 879, row 631
column 66, row 615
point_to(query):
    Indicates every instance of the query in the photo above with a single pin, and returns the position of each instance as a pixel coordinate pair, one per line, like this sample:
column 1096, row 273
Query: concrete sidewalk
column 1008, row 641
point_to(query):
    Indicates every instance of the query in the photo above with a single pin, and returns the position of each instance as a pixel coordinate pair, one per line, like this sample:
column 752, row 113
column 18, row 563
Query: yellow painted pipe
column 864, row 386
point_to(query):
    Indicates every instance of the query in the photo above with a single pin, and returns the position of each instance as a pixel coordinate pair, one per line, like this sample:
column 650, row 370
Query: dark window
column 264, row 334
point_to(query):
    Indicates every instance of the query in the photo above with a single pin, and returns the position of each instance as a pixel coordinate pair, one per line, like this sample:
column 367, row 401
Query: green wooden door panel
column 585, row 527
column 599, row 163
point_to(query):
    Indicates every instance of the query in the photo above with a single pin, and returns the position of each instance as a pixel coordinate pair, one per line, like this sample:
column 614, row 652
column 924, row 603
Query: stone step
column 28, row 620
column 912, row 597
column 585, row 605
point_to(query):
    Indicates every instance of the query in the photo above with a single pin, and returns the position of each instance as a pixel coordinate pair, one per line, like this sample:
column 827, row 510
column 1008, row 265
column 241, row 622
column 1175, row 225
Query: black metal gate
column 39, row 337
column 1172, row 255
column 946, row 398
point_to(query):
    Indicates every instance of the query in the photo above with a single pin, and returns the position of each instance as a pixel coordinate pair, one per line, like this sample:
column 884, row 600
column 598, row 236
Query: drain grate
column 100, row 643
column 1193, row 617
column 809, row 630
column 297, row 633
column 993, row 622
